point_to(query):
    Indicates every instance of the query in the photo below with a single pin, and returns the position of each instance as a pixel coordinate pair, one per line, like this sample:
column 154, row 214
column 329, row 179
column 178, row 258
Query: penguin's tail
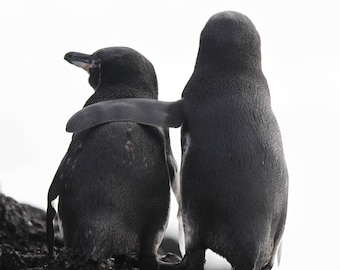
column 100, row 243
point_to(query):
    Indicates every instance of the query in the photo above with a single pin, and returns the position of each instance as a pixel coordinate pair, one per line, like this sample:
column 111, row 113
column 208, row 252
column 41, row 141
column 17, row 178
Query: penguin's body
column 113, row 183
column 234, row 181
column 233, row 177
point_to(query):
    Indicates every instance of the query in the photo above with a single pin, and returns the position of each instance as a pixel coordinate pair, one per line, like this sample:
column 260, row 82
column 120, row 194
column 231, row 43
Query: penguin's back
column 234, row 169
column 114, row 184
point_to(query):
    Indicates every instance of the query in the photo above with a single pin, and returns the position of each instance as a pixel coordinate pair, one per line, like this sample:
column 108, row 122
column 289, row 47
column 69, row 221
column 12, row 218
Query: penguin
column 114, row 181
column 234, row 179
column 233, row 189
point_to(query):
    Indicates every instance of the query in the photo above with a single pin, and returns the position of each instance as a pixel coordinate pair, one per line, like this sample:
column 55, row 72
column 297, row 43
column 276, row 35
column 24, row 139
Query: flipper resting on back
column 143, row 111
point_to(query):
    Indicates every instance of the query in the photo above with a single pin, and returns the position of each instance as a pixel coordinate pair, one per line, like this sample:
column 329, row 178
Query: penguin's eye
column 95, row 63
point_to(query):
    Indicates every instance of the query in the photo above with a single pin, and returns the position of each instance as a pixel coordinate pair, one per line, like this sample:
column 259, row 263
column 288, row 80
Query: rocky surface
column 22, row 243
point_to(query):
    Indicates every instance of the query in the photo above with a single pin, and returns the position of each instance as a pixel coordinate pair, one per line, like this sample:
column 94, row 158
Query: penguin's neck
column 210, row 83
column 119, row 91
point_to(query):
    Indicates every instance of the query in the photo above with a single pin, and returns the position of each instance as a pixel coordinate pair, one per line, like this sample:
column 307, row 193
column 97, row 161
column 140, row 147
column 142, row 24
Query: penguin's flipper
column 53, row 193
column 50, row 214
column 142, row 111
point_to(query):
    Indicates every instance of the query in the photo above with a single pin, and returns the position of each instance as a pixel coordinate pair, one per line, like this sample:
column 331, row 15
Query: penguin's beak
column 79, row 59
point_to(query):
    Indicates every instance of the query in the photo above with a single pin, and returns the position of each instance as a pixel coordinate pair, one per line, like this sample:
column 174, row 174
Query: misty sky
column 300, row 53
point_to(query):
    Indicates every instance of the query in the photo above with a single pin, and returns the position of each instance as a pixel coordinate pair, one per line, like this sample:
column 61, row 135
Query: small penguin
column 114, row 181
column 233, row 191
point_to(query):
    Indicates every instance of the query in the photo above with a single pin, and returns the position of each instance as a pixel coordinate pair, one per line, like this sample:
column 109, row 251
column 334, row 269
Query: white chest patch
column 186, row 142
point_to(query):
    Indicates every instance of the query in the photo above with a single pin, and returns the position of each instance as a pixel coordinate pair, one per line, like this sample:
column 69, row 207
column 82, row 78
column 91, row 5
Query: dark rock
column 21, row 226
column 9, row 258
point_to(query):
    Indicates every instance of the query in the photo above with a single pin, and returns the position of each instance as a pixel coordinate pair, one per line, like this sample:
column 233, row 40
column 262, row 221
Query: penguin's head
column 118, row 72
column 230, row 39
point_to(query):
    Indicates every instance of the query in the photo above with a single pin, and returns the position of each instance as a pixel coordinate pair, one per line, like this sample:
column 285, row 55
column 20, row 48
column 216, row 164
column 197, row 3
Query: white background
column 300, row 52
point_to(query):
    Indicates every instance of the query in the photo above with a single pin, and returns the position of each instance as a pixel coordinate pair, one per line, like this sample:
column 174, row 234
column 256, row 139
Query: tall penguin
column 234, row 182
column 113, row 183
column 234, row 179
